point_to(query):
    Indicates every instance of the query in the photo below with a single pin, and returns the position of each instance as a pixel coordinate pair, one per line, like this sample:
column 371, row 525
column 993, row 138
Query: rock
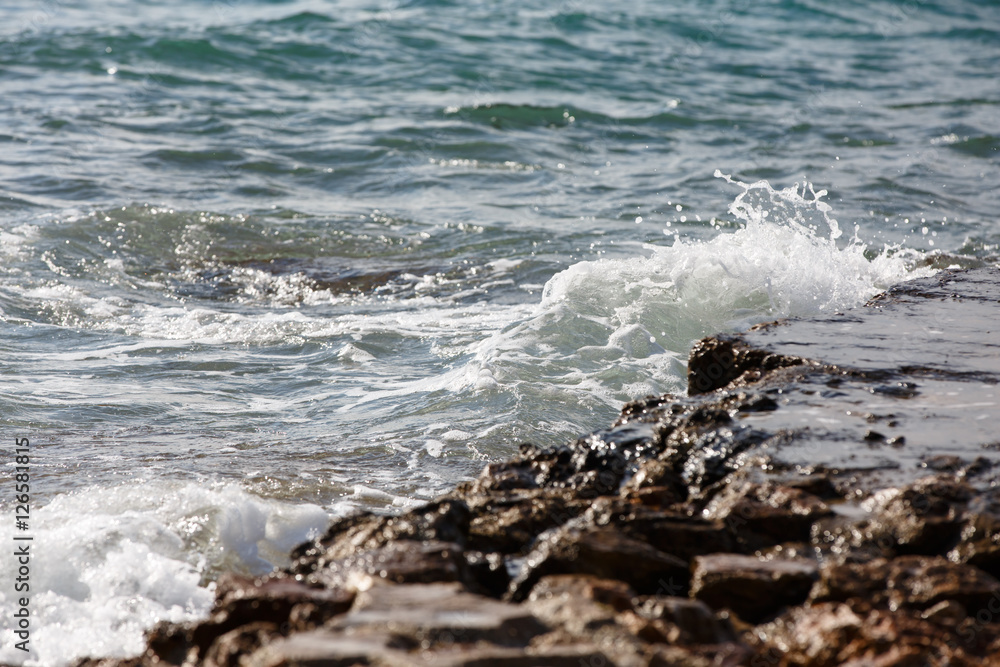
column 446, row 520
column 751, row 587
column 439, row 614
column 717, row 361
column 832, row 634
column 277, row 599
column 694, row 620
column 761, row 515
column 571, row 655
column 656, row 481
column 916, row 582
column 669, row 531
column 925, row 517
column 509, row 522
column 980, row 536
column 603, row 552
column 322, row 648
column 400, row 562
column 272, row 606
column 578, row 604
column 228, row 649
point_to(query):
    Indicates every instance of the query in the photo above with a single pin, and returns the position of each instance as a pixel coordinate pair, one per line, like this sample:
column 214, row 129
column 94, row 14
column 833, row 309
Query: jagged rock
column 602, row 552
column 407, row 561
column 578, row 603
column 445, row 520
column 669, row 531
column 980, row 544
column 508, row 523
column 917, row 582
column 271, row 605
column 751, row 587
column 831, row 634
column 655, row 483
column 716, row 361
column 761, row 515
column 439, row 614
column 925, row 517
column 694, row 620
column 324, row 648
column 228, row 649
column 278, row 599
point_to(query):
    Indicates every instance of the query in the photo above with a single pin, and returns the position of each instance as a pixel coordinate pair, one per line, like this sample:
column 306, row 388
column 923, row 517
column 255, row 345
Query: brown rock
column 508, row 523
column 278, row 599
column 918, row 582
column 438, row 614
column 569, row 655
column 578, row 603
column 445, row 520
column 753, row 588
column 603, row 552
column 925, row 517
column 277, row 605
column 716, row 361
column 654, row 475
column 760, row 515
column 980, row 540
column 670, row 531
column 322, row 648
column 400, row 562
column 228, row 649
column 695, row 622
column 832, row 634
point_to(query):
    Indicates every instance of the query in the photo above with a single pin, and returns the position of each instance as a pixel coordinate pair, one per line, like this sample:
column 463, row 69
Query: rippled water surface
column 268, row 262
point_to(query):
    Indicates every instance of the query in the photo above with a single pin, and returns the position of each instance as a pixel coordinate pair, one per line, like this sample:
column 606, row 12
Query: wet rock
column 694, row 620
column 400, row 562
column 761, row 515
column 438, row 614
column 591, row 466
column 569, row 655
column 706, row 455
column 925, row 517
column 717, row 361
column 917, row 582
column 276, row 604
column 670, row 531
column 329, row 649
column 751, row 587
column 655, row 483
column 229, row 649
column 832, row 634
column 603, row 552
column 509, row 522
column 278, row 599
column 445, row 520
column 578, row 604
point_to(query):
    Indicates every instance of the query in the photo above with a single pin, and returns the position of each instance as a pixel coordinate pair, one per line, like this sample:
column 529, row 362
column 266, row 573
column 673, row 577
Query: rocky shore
column 826, row 495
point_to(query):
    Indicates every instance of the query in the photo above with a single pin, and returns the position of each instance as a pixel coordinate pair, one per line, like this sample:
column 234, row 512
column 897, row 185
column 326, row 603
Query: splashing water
column 629, row 323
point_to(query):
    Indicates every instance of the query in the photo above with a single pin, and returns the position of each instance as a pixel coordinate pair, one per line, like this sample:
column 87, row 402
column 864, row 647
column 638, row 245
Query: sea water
column 263, row 263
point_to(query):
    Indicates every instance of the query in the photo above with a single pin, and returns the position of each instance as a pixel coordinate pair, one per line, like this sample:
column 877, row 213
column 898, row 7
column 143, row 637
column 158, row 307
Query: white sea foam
column 628, row 323
column 108, row 563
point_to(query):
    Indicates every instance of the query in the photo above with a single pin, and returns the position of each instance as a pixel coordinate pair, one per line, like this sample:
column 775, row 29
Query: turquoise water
column 268, row 262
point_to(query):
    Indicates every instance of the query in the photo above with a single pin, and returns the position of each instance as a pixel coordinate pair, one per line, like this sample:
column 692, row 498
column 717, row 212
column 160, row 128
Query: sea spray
column 628, row 323
column 113, row 561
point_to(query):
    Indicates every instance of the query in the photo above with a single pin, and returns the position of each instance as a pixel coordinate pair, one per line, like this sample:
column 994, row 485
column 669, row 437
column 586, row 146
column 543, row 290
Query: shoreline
column 826, row 495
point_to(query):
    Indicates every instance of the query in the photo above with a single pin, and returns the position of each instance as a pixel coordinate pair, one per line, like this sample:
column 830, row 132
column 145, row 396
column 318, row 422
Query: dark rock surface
column 826, row 496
